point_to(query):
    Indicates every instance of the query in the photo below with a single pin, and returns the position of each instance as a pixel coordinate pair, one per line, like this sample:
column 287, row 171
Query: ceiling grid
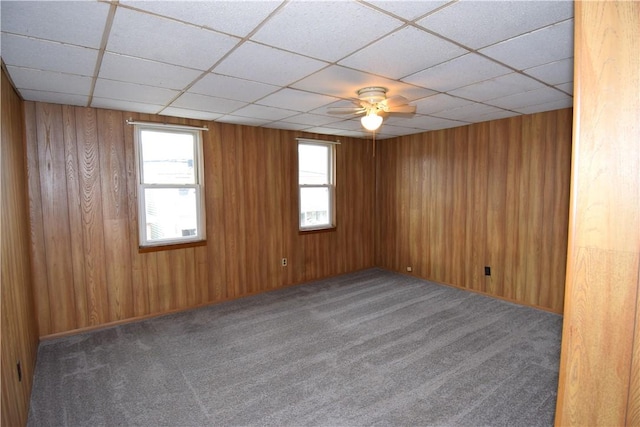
column 285, row 64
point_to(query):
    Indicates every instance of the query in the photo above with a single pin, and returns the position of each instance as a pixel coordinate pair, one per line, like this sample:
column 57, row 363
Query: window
column 170, row 185
column 317, row 184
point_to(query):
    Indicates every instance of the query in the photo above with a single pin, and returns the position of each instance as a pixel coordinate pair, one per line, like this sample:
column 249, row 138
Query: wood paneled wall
column 19, row 328
column 86, row 265
column 599, row 381
column 494, row 194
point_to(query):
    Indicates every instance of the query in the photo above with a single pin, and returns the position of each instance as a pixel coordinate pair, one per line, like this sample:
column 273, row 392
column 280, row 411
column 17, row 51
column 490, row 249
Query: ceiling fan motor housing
column 372, row 94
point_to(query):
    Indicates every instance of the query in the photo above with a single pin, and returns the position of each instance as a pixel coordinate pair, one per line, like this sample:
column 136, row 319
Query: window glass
column 170, row 213
column 314, row 206
column 171, row 206
column 313, row 164
column 316, row 183
column 168, row 157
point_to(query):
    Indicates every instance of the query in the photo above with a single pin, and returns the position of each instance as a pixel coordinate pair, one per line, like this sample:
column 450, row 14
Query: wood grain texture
column 86, row 185
column 55, row 213
column 19, row 327
column 600, row 360
column 450, row 202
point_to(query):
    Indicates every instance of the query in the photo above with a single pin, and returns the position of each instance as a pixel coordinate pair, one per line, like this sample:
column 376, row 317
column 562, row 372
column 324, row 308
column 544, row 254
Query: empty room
column 323, row 213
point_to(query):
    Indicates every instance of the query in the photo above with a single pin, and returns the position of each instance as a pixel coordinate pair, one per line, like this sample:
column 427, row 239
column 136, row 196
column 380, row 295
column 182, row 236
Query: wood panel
column 19, row 327
column 83, row 208
column 492, row 194
column 600, row 356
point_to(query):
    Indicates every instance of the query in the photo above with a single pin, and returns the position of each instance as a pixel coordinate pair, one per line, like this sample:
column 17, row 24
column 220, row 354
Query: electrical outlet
column 487, row 271
column 284, row 262
column 409, row 269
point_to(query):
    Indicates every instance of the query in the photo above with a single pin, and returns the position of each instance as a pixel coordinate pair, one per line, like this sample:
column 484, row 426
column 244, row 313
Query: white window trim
column 331, row 186
column 198, row 186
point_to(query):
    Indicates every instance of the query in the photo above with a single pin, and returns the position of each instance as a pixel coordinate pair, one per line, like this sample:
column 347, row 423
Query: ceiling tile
column 231, row 88
column 401, row 46
column 248, row 121
column 286, row 125
column 327, row 30
column 192, row 101
column 333, row 131
column 344, row 83
column 552, row 43
column 75, row 22
column 133, row 92
column 467, row 112
column 312, row 119
column 553, row 73
column 438, row 102
column 566, row 87
column 50, row 56
column 264, row 112
column 391, row 130
column 555, row 105
column 118, row 104
column 289, row 86
column 54, row 97
column 477, row 24
column 348, row 124
column 49, row 81
column 252, row 61
column 172, row 42
column 403, row 121
column 297, row 100
column 142, row 71
column 190, row 114
column 461, row 71
column 539, row 96
column 427, row 122
column 498, row 87
column 495, row 115
column 359, row 134
column 233, row 17
column 409, row 10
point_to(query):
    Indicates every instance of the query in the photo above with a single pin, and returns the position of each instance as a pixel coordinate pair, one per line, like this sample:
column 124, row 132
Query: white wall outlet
column 284, row 262
column 409, row 269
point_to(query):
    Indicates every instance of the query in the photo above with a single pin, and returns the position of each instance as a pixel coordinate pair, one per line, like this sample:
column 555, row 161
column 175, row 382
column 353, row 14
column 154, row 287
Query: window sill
column 158, row 248
column 317, row 230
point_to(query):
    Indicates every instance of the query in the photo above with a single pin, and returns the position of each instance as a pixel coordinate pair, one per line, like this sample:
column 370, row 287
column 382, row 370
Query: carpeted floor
column 367, row 348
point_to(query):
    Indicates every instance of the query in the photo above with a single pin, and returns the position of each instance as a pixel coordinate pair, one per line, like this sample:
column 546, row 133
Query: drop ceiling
column 281, row 64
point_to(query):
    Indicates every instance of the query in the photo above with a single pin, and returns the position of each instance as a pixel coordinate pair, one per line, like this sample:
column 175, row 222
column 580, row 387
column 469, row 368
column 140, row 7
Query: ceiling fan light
column 371, row 121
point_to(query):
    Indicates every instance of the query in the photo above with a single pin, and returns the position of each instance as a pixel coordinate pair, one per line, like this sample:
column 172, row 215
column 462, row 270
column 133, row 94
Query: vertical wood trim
column 139, row 275
column 215, row 203
column 500, row 138
column 598, row 366
column 75, row 216
column 113, row 179
column 19, row 328
column 38, row 253
column 513, row 228
column 53, row 187
column 95, row 280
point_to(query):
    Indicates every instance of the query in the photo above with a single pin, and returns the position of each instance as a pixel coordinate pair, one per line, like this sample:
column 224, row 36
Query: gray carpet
column 367, row 348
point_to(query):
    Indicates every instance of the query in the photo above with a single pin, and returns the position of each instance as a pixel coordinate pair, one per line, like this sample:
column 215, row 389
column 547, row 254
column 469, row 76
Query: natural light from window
column 170, row 186
column 315, row 179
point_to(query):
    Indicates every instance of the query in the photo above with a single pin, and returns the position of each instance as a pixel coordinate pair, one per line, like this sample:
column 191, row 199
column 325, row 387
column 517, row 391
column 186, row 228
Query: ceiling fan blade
column 410, row 109
column 345, row 110
column 395, row 100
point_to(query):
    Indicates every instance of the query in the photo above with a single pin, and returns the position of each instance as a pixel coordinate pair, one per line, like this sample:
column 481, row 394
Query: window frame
column 331, row 185
column 144, row 241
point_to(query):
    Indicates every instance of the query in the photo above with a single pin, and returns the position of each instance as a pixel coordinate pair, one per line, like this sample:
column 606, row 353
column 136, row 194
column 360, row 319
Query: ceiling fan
column 373, row 103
